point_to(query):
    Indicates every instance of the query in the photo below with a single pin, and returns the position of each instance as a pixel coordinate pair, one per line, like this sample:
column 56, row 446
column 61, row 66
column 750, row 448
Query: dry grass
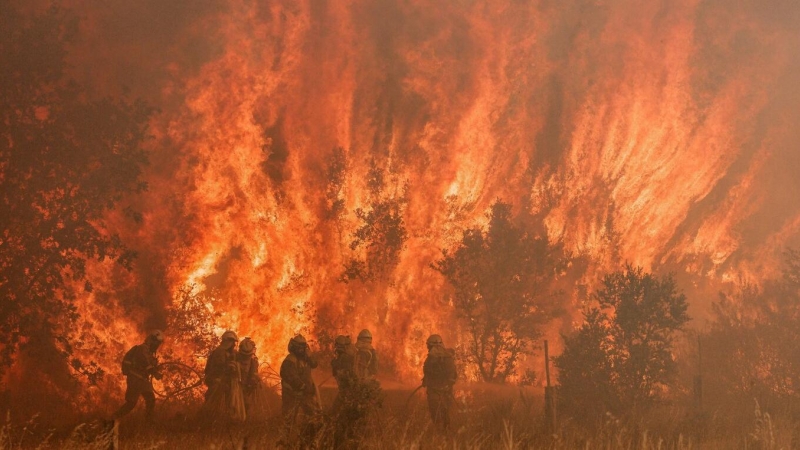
column 486, row 418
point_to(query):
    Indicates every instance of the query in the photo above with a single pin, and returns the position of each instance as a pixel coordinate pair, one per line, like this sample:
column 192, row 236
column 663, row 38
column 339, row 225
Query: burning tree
column 379, row 238
column 753, row 338
column 501, row 278
column 336, row 172
column 191, row 321
column 381, row 233
column 621, row 357
column 65, row 160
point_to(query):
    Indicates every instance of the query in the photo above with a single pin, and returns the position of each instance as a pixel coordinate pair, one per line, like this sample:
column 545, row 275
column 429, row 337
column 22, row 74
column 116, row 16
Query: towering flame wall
column 661, row 133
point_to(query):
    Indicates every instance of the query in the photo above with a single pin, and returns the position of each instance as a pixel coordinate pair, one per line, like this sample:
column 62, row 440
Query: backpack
column 345, row 366
column 440, row 366
column 363, row 361
column 129, row 361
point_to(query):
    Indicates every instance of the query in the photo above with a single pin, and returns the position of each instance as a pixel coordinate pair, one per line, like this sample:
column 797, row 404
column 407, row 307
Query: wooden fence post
column 549, row 394
column 698, row 379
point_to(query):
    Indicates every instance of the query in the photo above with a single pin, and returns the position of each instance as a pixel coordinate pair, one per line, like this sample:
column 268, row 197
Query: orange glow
column 612, row 124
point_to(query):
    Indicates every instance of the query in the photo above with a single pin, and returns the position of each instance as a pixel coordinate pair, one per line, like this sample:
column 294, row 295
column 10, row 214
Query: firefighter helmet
column 247, row 346
column 229, row 335
column 341, row 341
column 434, row 340
column 365, row 336
column 298, row 344
column 154, row 338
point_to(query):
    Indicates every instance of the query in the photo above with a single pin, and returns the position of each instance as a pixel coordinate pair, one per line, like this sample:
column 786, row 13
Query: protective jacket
column 248, row 367
column 218, row 365
column 297, row 386
column 439, row 369
column 343, row 367
column 296, row 380
column 139, row 364
column 366, row 361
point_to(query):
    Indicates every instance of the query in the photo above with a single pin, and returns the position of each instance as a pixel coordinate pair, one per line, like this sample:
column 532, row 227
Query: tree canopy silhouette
column 753, row 337
column 502, row 278
column 65, row 160
column 621, row 356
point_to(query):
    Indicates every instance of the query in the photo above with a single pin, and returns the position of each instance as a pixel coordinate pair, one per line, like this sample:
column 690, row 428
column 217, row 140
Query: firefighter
column 366, row 360
column 248, row 368
column 439, row 377
column 224, row 401
column 297, row 386
column 343, row 366
column 221, row 363
column 358, row 396
column 138, row 366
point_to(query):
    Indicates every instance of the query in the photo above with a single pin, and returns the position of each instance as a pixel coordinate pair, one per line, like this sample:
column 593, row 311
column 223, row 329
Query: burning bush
column 752, row 342
column 621, row 356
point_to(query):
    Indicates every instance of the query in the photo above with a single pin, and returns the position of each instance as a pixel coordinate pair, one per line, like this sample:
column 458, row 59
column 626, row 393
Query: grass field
column 486, row 417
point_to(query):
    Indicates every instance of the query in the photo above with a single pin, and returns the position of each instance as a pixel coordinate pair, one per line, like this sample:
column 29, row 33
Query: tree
column 379, row 239
column 191, row 322
column 585, row 370
column 502, row 278
column 336, row 173
column 753, row 338
column 65, row 160
column 621, row 356
column 381, row 234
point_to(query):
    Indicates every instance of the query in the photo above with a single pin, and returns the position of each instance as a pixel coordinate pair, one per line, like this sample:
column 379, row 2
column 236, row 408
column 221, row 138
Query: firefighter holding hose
column 139, row 365
column 439, row 377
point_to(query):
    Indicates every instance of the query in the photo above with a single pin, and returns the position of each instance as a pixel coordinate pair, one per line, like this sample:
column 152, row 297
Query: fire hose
column 184, row 367
column 324, row 381
column 412, row 395
column 317, row 388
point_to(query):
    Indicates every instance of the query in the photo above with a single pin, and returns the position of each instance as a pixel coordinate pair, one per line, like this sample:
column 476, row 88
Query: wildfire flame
column 658, row 133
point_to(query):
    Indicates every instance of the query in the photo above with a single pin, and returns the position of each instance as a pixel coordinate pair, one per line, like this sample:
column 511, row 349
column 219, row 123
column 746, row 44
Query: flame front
column 639, row 131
